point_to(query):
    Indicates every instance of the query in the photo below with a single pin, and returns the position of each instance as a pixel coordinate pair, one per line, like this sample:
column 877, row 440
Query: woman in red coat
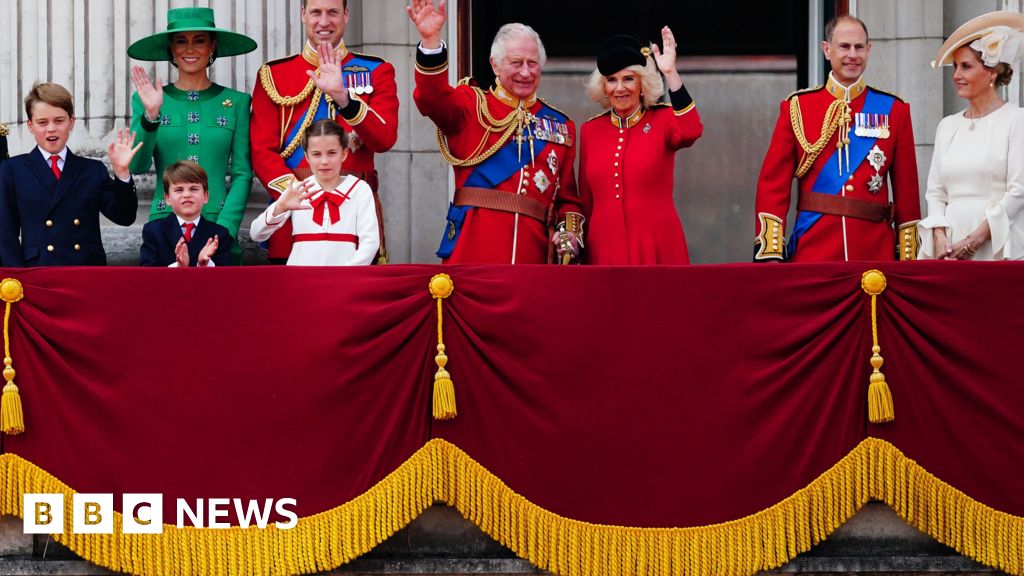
column 627, row 154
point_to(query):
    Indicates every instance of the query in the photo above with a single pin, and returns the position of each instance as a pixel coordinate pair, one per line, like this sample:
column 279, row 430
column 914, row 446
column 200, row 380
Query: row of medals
column 871, row 125
column 550, row 130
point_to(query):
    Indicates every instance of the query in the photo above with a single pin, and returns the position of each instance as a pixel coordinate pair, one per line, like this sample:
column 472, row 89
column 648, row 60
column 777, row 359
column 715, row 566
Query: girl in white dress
column 334, row 221
column 976, row 182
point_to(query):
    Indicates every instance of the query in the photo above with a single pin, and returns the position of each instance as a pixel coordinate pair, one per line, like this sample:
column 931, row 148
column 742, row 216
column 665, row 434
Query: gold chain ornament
column 510, row 125
column 838, row 114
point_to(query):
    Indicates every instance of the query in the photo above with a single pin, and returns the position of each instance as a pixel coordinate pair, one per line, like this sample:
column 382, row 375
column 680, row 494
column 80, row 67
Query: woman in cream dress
column 976, row 182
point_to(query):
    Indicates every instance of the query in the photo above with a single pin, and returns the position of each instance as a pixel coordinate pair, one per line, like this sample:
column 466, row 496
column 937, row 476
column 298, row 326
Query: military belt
column 501, row 201
column 836, row 205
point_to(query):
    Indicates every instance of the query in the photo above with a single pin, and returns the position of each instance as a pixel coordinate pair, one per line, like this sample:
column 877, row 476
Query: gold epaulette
column 804, row 91
column 555, row 109
column 595, row 117
column 267, row 81
column 887, row 93
column 468, row 81
column 3, row 130
column 367, row 56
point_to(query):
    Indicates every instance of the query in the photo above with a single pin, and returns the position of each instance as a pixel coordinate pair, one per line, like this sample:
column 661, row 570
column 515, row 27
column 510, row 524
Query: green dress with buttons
column 210, row 127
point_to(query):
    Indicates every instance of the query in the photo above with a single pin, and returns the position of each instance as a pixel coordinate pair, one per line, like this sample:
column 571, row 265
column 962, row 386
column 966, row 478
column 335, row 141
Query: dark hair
column 52, row 94
column 830, row 27
column 1004, row 72
column 324, row 127
column 185, row 172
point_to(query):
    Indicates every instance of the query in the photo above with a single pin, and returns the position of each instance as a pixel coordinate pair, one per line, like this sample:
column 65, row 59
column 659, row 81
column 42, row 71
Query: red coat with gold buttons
column 838, row 238
column 626, row 182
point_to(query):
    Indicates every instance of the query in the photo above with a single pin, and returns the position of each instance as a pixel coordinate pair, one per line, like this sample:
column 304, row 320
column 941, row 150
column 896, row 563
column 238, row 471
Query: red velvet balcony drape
column 639, row 397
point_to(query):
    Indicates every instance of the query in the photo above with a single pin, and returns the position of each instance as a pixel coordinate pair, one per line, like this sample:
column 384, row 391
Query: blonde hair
column 652, row 88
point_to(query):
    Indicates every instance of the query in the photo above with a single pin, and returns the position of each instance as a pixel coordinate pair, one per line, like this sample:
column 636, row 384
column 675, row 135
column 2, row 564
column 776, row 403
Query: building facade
column 82, row 44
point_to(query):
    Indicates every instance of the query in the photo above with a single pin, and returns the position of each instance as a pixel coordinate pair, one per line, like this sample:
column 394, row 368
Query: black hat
column 618, row 52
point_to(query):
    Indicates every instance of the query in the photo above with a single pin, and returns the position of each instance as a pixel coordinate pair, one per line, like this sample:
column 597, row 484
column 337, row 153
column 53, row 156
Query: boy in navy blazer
column 51, row 199
column 185, row 238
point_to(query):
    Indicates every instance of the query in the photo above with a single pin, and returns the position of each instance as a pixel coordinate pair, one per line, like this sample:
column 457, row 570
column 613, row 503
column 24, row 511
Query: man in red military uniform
column 843, row 141
column 325, row 80
column 511, row 152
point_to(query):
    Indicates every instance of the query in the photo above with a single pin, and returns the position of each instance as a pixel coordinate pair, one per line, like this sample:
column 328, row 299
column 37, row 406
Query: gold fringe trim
column 317, row 543
column 440, row 471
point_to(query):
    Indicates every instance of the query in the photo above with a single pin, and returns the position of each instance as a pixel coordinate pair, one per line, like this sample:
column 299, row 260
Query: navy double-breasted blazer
column 58, row 221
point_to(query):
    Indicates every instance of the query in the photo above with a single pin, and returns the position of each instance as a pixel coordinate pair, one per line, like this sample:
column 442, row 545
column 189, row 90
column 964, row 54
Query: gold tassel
column 12, row 419
column 441, row 287
column 880, row 406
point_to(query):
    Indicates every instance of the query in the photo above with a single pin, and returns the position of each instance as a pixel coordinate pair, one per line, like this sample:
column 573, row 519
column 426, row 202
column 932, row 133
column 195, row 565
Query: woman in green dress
column 194, row 119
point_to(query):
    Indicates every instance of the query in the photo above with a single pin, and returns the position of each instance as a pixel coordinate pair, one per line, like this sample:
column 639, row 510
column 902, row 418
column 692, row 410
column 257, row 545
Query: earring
column 174, row 61
column 211, row 58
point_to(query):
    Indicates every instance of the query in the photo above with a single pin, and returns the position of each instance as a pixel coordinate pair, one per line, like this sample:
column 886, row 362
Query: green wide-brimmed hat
column 155, row 48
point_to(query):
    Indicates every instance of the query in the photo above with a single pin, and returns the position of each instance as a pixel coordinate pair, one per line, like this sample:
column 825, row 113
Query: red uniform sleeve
column 568, row 195
column 775, row 183
column 903, row 173
column 265, row 140
column 686, row 128
column 586, row 196
column 449, row 108
column 375, row 119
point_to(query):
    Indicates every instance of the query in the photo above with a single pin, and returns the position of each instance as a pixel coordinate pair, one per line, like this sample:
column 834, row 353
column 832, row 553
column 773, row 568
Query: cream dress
column 978, row 175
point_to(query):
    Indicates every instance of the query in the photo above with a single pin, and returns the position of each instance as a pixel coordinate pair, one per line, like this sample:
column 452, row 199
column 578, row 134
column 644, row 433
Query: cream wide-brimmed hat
column 997, row 35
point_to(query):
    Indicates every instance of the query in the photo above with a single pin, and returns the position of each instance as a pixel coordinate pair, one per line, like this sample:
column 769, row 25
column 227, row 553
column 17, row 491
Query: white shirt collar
column 46, row 155
column 182, row 221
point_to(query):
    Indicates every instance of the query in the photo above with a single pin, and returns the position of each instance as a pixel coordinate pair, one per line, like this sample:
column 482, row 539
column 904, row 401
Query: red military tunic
column 491, row 235
column 627, row 171
column 281, row 98
column 840, row 237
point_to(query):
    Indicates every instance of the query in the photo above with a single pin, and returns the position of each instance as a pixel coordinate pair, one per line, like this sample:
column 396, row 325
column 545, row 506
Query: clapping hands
column 205, row 255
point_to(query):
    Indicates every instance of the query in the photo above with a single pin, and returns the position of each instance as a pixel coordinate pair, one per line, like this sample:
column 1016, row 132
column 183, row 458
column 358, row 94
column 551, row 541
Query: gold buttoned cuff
column 907, row 245
column 771, row 242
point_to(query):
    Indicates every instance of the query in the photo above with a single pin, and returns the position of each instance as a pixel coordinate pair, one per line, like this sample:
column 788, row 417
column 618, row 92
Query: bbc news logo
column 143, row 513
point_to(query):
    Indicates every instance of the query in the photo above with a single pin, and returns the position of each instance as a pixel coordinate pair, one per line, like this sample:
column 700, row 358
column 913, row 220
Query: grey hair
column 652, row 88
column 499, row 48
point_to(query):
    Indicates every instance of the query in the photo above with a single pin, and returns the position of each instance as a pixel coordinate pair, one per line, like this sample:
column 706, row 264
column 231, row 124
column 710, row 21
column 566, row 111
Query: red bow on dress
column 331, row 201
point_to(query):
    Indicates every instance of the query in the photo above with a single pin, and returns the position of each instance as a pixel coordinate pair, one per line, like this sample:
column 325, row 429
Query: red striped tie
column 54, row 167
column 188, row 231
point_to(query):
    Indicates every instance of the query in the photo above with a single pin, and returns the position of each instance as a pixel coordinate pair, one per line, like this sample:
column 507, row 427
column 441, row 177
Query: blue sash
column 830, row 180
column 489, row 174
column 353, row 73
